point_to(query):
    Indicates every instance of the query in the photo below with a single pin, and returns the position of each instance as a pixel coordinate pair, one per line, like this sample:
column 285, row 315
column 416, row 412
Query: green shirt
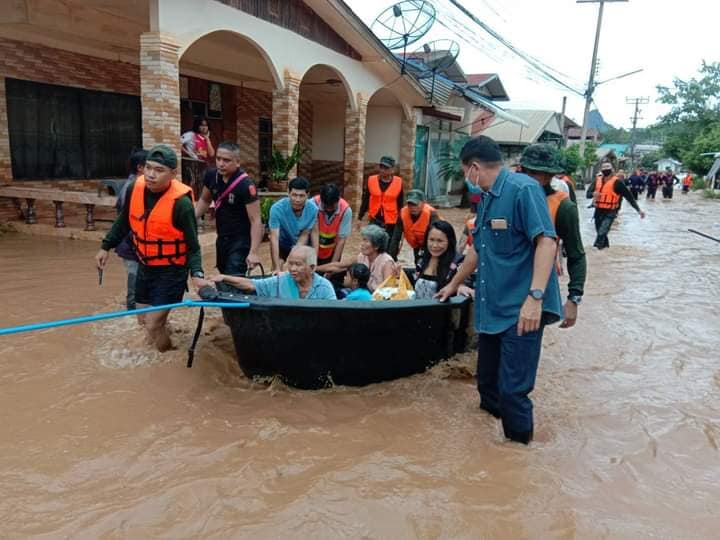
column 567, row 226
column 183, row 219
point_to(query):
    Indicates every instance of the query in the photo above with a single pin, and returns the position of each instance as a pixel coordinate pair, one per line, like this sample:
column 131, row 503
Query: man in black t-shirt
column 237, row 212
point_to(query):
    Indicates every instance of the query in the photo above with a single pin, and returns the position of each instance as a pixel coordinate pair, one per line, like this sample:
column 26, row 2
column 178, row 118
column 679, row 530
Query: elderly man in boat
column 300, row 281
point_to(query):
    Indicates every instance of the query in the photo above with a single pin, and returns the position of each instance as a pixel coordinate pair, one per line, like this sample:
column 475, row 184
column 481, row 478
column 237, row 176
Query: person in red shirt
column 196, row 144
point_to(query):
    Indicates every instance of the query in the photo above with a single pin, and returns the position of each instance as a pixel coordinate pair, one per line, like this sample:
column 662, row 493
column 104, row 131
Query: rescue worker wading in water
column 606, row 198
column 383, row 200
column 159, row 212
column 415, row 220
column 541, row 162
column 334, row 223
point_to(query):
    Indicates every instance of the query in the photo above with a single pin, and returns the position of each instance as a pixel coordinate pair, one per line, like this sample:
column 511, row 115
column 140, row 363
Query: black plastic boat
column 314, row 344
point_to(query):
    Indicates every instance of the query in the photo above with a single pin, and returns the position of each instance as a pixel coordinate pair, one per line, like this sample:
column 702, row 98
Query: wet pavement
column 101, row 438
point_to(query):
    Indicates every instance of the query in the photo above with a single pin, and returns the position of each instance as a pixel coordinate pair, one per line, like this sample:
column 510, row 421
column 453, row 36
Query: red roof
column 479, row 78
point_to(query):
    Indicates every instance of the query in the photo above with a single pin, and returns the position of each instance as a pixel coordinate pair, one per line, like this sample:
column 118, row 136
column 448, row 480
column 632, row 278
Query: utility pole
column 593, row 67
column 637, row 101
column 562, row 121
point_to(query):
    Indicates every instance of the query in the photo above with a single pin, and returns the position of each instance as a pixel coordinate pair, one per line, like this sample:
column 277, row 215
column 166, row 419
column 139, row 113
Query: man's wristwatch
column 575, row 299
column 200, row 275
column 537, row 294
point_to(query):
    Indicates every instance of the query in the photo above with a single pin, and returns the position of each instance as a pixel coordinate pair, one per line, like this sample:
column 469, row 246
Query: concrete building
column 539, row 127
column 83, row 83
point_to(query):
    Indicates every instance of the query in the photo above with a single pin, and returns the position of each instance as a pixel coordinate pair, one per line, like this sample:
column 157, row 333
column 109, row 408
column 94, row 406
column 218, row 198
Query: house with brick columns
column 84, row 83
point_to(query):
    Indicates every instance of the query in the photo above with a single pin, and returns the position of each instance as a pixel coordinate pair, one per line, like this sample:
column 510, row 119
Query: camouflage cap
column 543, row 158
column 164, row 155
column 387, row 161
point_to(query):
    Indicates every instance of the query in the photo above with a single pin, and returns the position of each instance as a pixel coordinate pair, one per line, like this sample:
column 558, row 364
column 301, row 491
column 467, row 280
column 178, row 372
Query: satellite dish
column 438, row 55
column 403, row 24
column 434, row 57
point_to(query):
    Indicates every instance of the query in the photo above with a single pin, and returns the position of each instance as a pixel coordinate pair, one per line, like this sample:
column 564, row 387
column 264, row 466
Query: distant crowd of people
column 649, row 181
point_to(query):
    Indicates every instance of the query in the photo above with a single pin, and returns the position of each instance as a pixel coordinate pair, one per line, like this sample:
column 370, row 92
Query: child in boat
column 357, row 281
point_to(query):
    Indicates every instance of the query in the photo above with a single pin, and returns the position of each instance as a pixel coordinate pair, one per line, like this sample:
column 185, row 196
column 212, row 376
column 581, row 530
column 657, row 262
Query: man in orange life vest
column 334, row 223
column 609, row 190
column 541, row 162
column 159, row 212
column 383, row 199
column 415, row 218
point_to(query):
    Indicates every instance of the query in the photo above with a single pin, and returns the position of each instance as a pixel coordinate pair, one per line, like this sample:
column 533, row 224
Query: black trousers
column 231, row 254
column 603, row 221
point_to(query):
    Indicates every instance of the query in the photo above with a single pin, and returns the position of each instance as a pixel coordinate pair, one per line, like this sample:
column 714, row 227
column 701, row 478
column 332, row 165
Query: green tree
column 694, row 117
column 571, row 158
column 650, row 160
column 707, row 142
column 617, row 136
column 590, row 155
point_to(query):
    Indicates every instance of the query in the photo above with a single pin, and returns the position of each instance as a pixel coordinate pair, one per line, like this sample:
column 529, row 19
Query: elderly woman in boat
column 300, row 281
column 372, row 254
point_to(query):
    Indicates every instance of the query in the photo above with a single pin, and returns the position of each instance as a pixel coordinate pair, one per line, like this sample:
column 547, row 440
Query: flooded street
column 103, row 439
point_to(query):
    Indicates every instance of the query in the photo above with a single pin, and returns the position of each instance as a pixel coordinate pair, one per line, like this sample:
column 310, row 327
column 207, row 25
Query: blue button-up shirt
column 510, row 216
column 284, row 286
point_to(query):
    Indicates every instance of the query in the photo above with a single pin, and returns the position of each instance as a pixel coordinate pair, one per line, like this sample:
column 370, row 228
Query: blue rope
column 115, row 314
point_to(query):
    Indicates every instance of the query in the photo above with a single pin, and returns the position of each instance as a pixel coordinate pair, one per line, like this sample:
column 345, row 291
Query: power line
column 530, row 60
column 490, row 49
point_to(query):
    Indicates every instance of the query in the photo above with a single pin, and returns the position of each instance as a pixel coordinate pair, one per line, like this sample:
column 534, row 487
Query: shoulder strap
column 227, row 191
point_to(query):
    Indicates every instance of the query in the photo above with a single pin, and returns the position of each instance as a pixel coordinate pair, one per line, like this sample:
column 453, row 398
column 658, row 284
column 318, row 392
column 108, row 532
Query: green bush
column 698, row 183
column 711, row 194
column 265, row 205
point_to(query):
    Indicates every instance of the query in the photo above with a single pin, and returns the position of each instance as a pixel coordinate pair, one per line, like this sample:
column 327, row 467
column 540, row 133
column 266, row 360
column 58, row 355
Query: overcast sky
column 667, row 38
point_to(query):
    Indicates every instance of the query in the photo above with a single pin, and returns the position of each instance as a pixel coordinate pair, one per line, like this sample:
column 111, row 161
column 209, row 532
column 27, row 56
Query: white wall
column 283, row 49
column 382, row 133
column 328, row 132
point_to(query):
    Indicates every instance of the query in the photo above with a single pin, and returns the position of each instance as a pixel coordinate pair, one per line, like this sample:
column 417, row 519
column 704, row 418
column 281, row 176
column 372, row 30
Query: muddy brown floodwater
column 102, row 439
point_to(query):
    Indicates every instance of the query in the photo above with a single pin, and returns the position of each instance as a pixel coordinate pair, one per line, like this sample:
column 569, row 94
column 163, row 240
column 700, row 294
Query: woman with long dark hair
column 437, row 262
column 196, row 142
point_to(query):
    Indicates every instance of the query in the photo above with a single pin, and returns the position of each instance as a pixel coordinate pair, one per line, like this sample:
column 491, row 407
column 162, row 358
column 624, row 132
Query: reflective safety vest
column 414, row 231
column 383, row 204
column 605, row 196
column 156, row 240
column 329, row 231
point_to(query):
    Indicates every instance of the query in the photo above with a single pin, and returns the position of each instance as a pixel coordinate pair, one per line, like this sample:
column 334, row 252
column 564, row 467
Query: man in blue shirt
column 516, row 292
column 293, row 221
column 300, row 281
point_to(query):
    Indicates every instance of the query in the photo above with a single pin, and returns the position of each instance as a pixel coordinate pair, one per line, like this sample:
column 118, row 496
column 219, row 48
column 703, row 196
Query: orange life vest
column 554, row 200
column 605, row 196
column 414, row 231
column 383, row 204
column 329, row 231
column 687, row 181
column 157, row 241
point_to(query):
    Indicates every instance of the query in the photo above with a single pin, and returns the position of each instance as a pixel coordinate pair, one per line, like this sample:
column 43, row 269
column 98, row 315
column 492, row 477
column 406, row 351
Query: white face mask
column 472, row 186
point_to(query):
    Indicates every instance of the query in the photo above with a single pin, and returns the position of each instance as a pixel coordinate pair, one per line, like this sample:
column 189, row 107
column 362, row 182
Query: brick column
column 286, row 115
column 5, row 165
column 406, row 163
column 160, row 90
column 355, row 153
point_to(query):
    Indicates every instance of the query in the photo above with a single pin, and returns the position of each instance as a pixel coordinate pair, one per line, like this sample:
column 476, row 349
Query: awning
column 432, row 111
